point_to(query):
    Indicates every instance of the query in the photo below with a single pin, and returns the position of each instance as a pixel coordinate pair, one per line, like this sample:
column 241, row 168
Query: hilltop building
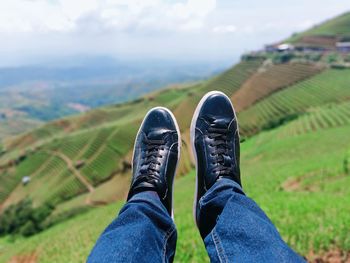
column 343, row 47
column 280, row 47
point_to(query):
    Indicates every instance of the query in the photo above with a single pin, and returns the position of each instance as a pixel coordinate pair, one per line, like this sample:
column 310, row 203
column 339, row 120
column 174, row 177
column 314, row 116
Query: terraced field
column 319, row 118
column 299, row 181
column 98, row 144
column 270, row 79
column 229, row 82
column 331, row 86
column 301, row 157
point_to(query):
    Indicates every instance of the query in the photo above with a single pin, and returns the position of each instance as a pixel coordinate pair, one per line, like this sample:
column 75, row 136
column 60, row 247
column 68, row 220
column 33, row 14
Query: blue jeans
column 233, row 227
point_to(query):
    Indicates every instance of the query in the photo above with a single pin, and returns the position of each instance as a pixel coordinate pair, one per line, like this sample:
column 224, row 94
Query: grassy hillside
column 299, row 181
column 294, row 120
column 339, row 26
column 271, row 78
column 83, row 161
column 99, row 140
column 331, row 86
column 85, row 151
column 325, row 33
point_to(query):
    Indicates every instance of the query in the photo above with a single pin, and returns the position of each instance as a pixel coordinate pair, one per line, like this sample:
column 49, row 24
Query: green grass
column 339, row 26
column 319, row 118
column 315, row 215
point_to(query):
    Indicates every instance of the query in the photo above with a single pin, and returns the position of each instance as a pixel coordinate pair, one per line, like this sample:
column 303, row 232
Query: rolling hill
column 336, row 27
column 324, row 35
column 294, row 119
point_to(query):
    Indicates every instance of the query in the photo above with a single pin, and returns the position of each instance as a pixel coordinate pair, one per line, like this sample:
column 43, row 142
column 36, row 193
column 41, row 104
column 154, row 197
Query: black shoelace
column 222, row 162
column 150, row 166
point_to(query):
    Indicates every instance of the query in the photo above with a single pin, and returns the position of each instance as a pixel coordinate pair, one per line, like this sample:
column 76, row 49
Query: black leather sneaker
column 215, row 143
column 156, row 155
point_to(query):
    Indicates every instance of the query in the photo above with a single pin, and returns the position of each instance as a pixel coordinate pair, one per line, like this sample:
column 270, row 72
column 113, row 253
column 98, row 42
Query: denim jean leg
column 142, row 232
column 235, row 229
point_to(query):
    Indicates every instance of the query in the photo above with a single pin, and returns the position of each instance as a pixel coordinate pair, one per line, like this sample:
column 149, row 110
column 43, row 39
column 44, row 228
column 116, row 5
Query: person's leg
column 233, row 227
column 144, row 230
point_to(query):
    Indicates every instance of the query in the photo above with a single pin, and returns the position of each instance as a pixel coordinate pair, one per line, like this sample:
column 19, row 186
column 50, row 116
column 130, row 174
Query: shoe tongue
column 219, row 122
column 157, row 134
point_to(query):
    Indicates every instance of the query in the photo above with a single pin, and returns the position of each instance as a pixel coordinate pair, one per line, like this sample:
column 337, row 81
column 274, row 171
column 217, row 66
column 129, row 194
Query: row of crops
column 10, row 177
column 319, row 118
column 95, row 154
column 231, row 80
column 271, row 78
column 228, row 82
column 331, row 86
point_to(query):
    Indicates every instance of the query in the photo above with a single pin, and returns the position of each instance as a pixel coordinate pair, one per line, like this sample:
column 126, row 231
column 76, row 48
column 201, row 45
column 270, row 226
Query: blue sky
column 194, row 30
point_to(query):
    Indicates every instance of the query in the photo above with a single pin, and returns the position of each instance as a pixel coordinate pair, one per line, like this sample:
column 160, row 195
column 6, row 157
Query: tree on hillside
column 23, row 219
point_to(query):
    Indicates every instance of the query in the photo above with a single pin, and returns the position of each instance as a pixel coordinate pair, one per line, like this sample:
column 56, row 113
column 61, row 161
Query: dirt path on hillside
column 30, row 258
column 78, row 175
column 76, row 172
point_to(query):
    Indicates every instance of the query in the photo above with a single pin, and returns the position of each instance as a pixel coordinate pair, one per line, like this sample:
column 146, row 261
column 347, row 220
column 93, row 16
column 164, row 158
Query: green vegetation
column 338, row 26
column 303, row 190
column 271, row 78
column 319, row 118
column 331, row 86
column 23, row 219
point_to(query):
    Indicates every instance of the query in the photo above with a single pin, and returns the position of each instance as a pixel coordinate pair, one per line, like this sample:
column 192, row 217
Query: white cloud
column 28, row 16
column 225, row 29
column 306, row 24
column 171, row 29
column 68, row 15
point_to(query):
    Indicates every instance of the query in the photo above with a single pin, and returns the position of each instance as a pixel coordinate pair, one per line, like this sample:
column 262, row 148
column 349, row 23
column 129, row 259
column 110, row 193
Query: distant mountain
column 30, row 95
column 97, row 69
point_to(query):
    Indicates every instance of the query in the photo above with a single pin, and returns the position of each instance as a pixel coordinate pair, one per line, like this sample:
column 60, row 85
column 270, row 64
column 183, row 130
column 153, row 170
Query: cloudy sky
column 32, row 31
